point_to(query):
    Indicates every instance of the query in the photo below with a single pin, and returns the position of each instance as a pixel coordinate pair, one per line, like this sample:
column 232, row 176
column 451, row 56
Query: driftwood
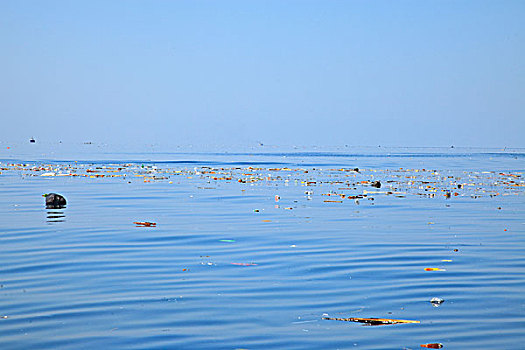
column 373, row 321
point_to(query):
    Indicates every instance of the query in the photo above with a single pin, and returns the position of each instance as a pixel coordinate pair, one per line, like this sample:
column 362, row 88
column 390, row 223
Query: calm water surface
column 230, row 267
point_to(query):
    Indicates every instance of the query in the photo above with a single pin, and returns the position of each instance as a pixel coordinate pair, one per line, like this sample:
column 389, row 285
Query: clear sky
column 398, row 73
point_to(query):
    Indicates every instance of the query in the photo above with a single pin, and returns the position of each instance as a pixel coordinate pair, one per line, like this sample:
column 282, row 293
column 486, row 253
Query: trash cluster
column 333, row 186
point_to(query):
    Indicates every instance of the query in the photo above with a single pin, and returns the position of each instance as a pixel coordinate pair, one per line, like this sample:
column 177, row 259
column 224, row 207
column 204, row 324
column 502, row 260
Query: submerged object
column 376, row 184
column 54, row 200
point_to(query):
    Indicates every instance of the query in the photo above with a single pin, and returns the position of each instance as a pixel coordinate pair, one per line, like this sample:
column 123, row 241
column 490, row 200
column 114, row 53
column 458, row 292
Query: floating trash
column 436, row 302
column 54, row 200
column 145, row 224
column 244, row 264
column 432, row 346
column 372, row 321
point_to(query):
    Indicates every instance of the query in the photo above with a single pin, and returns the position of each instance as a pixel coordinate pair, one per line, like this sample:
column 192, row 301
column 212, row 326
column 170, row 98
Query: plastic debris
column 436, row 302
column 373, row 321
column 432, row 346
column 244, row 264
column 54, row 200
column 145, row 223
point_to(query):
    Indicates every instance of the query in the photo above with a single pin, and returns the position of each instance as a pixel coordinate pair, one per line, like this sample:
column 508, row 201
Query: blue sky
column 393, row 73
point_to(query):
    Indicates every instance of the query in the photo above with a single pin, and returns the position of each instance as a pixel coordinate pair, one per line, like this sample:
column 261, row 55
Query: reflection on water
column 55, row 215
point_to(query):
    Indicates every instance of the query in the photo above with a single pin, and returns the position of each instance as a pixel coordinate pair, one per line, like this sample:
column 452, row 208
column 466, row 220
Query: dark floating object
column 376, row 184
column 54, row 200
column 356, row 170
column 32, row 140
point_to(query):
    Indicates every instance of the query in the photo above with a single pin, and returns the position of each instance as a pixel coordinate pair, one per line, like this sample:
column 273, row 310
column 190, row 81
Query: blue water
column 229, row 267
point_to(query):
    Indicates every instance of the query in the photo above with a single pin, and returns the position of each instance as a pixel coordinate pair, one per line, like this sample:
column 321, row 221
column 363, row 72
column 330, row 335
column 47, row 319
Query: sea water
column 253, row 249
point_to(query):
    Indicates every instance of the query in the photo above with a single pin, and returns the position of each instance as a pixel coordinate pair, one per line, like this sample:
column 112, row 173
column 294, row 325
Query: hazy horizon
column 281, row 73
